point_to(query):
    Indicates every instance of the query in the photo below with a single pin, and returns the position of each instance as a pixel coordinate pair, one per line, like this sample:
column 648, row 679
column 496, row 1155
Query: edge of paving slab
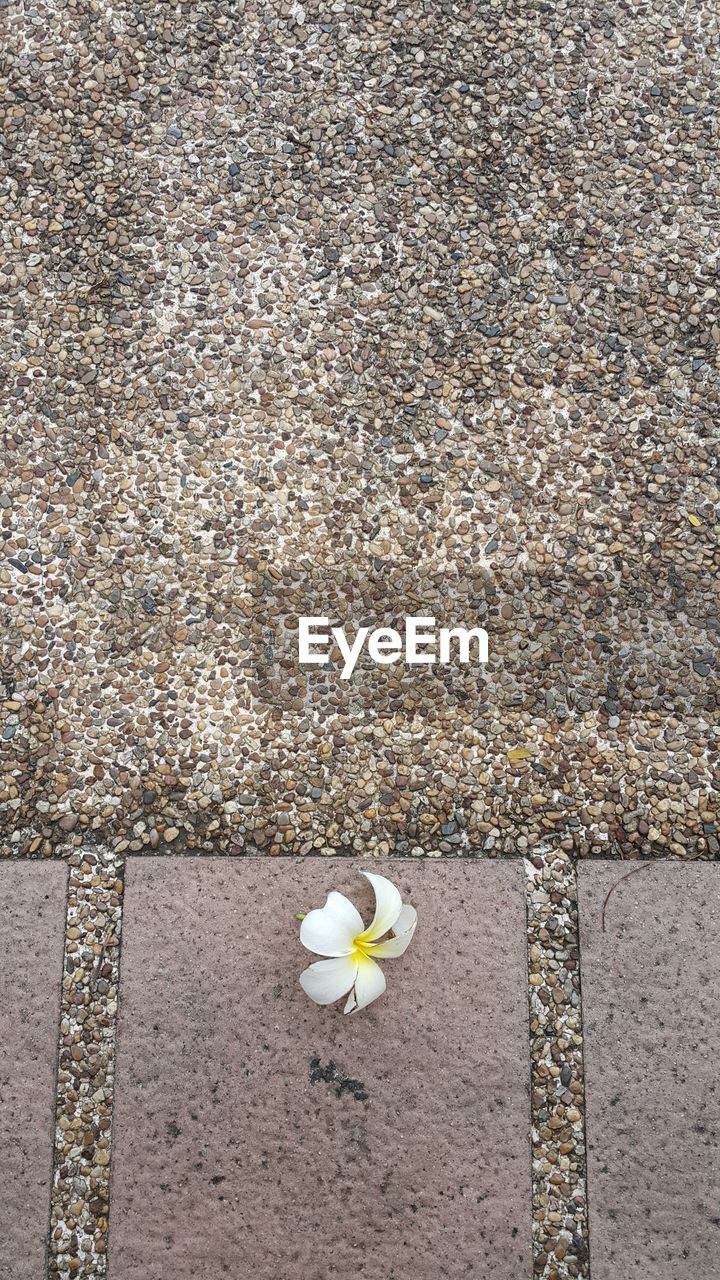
column 33, row 913
column 56, row 1085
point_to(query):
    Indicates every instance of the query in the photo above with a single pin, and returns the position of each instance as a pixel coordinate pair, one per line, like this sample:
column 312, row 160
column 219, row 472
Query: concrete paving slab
column 32, row 923
column 651, row 1003
column 259, row 1135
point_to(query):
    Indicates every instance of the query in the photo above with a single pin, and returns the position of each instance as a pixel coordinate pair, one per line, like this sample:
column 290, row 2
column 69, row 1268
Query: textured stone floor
column 651, row 999
column 441, row 1132
column 363, row 311
column 32, row 914
column 390, row 1144
column 367, row 311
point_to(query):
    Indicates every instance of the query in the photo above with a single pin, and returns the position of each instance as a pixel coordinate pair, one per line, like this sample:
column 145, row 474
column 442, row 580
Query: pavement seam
column 559, row 1170
column 56, row 1074
column 79, row 1201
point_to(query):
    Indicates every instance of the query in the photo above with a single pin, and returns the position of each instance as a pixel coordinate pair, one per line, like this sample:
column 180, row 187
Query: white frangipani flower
column 337, row 930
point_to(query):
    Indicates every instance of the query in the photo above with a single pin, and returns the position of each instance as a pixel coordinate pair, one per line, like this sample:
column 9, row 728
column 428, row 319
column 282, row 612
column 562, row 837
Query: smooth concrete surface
column 258, row 1135
column 651, row 1002
column 32, row 927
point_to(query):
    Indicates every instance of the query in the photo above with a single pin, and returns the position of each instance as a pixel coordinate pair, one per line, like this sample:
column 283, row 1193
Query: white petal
column 406, row 920
column 351, row 1002
column 328, row 980
column 388, row 905
column 343, row 907
column 403, row 930
column 369, row 982
column 329, row 930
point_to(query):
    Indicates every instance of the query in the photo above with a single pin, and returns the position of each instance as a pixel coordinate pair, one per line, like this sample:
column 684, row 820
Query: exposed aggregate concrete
column 371, row 312
column 80, row 1197
column 407, row 310
column 559, row 1157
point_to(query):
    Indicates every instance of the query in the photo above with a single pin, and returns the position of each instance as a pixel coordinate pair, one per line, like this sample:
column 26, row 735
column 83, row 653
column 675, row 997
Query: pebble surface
column 559, row 1158
column 389, row 310
column 86, row 1069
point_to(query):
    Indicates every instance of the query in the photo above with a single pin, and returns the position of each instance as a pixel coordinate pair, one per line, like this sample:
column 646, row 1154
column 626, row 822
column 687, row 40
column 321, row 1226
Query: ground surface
column 257, row 1134
column 364, row 312
column 380, row 1143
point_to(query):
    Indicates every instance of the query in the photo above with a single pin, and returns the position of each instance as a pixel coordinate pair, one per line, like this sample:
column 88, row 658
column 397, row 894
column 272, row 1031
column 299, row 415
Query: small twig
column 617, row 845
column 613, row 887
column 96, row 966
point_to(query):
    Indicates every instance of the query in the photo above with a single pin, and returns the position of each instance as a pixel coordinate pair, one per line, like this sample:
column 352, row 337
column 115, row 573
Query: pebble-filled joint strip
column 560, row 1210
column 86, row 1068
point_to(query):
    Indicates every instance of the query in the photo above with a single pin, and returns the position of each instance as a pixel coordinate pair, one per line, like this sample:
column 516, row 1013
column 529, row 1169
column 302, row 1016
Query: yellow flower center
column 361, row 948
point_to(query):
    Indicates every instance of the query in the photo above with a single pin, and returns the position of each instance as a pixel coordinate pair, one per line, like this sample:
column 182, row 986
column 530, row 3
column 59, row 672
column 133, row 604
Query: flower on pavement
column 337, row 930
